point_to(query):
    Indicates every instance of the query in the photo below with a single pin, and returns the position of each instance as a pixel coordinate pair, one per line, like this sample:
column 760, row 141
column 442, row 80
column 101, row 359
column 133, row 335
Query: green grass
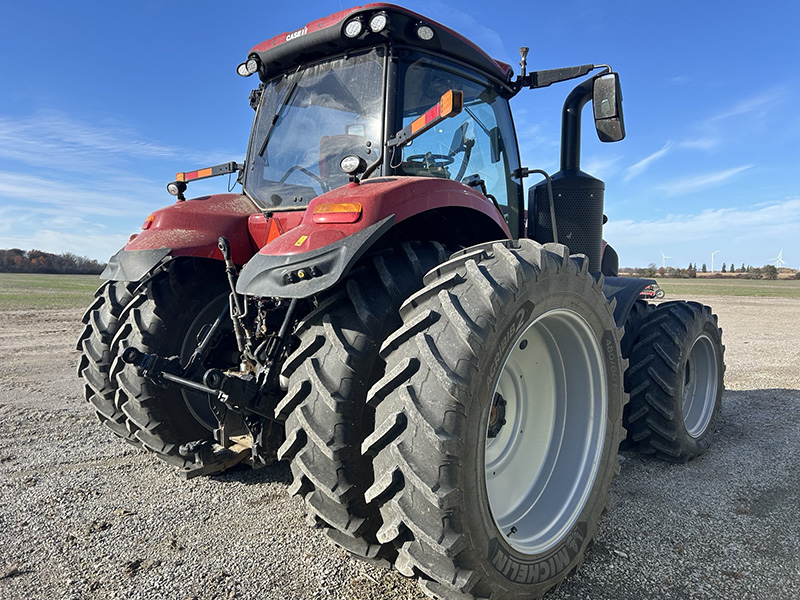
column 32, row 290
column 682, row 288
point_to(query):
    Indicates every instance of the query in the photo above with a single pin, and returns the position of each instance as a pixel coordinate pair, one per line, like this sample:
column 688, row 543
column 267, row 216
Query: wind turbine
column 664, row 259
column 714, row 253
column 779, row 262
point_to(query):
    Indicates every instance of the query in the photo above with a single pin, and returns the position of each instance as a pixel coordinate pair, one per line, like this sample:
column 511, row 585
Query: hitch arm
column 242, row 394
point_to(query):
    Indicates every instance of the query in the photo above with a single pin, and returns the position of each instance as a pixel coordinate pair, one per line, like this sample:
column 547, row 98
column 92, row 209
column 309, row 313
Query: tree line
column 744, row 272
column 15, row 260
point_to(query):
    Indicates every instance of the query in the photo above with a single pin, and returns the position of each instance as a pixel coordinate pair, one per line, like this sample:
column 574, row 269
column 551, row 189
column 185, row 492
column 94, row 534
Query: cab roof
column 327, row 36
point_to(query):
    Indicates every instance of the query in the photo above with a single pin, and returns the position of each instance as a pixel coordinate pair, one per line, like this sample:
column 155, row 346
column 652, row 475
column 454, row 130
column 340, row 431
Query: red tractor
column 652, row 291
column 445, row 366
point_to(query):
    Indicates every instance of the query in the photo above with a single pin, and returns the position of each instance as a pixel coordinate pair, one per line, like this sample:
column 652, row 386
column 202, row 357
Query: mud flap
column 132, row 265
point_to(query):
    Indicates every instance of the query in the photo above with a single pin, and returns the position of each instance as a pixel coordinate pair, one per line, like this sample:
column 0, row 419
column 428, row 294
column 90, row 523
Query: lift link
column 236, row 309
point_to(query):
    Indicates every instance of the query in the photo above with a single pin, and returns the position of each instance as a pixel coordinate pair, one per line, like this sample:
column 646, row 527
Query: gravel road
column 83, row 515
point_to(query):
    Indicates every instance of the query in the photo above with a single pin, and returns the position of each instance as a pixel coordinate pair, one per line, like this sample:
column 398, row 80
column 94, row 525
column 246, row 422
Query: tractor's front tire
column 165, row 318
column 498, row 422
column 675, row 381
column 325, row 412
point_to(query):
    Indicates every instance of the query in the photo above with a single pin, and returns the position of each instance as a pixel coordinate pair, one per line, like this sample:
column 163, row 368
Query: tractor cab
column 384, row 68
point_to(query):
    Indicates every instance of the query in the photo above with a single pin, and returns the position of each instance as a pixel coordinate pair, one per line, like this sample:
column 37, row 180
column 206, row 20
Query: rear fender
column 187, row 228
column 317, row 254
column 625, row 290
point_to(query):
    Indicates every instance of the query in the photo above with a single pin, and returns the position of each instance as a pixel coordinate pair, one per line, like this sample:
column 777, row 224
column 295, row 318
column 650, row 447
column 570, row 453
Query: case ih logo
column 296, row 34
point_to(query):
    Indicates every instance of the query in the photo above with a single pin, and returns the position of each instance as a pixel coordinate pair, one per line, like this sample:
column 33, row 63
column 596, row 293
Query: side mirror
column 607, row 105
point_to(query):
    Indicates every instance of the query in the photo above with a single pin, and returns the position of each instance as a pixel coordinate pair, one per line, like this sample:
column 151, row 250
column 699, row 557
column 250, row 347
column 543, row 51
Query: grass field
column 685, row 288
column 27, row 290
column 30, row 290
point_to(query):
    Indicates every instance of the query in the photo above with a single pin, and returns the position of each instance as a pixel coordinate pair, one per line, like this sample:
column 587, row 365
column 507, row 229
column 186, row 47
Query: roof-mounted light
column 354, row 28
column 424, row 32
column 248, row 67
column 378, row 22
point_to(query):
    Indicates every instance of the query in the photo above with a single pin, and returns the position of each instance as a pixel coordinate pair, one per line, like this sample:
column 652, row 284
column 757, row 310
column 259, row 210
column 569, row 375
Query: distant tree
column 15, row 260
column 723, row 268
column 743, row 269
column 703, row 269
column 770, row 272
column 691, row 272
column 650, row 271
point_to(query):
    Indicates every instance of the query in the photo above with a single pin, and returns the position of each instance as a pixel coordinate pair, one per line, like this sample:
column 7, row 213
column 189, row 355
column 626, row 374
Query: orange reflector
column 451, row 103
column 201, row 174
column 341, row 212
column 275, row 230
column 148, row 221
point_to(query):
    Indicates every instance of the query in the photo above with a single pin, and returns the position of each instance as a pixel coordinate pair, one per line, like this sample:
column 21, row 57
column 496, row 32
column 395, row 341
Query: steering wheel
column 304, row 171
column 430, row 160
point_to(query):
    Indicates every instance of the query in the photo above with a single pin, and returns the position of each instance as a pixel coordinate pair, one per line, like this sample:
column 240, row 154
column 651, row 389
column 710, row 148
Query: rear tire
column 102, row 322
column 675, row 381
column 498, row 422
column 165, row 318
column 325, row 411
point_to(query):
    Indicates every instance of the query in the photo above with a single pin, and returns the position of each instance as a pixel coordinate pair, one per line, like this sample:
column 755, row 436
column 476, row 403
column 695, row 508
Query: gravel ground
column 83, row 515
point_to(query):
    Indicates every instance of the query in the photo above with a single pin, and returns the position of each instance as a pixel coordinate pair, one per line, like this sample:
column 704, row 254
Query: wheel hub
column 497, row 416
column 545, row 431
column 699, row 386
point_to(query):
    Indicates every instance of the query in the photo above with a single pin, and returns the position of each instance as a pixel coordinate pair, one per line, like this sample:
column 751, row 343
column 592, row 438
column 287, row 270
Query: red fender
column 403, row 197
column 191, row 228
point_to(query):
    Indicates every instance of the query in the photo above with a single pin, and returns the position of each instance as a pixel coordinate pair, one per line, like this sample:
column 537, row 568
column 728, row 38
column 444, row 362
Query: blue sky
column 102, row 102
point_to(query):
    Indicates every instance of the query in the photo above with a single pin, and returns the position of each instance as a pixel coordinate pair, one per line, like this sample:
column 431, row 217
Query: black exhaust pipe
column 577, row 196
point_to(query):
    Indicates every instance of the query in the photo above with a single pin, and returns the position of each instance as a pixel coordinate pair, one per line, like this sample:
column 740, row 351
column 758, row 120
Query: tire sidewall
column 501, row 566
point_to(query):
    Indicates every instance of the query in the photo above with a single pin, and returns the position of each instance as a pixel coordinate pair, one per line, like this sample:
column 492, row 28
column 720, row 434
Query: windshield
column 307, row 121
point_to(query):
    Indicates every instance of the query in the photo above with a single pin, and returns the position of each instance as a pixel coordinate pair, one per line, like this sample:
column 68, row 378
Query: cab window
column 475, row 146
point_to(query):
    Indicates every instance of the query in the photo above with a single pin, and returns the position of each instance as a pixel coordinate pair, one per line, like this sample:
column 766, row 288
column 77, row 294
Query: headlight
column 378, row 22
column 354, row 28
column 424, row 32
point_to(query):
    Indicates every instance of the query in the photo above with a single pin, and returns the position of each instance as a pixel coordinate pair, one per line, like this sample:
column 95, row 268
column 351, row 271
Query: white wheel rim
column 541, row 465
column 700, row 381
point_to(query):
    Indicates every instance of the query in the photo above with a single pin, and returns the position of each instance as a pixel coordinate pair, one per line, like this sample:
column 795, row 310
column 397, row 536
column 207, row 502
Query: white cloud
column 57, row 142
column 30, row 193
column 742, row 235
column 643, row 164
column 91, row 218
column 602, row 167
column 92, row 243
column 760, row 104
column 696, row 183
column 700, row 143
